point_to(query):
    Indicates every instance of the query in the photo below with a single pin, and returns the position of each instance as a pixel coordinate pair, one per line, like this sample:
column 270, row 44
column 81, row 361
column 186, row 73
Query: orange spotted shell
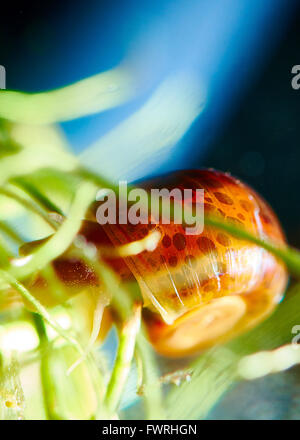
column 203, row 289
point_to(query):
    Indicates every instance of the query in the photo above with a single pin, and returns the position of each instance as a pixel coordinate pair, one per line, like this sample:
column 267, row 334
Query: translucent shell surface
column 210, row 286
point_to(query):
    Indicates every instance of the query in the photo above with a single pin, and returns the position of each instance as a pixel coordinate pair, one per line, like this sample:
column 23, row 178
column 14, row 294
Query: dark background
column 259, row 141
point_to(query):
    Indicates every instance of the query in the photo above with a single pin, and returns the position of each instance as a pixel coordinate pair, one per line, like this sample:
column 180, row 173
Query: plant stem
column 123, row 361
column 39, row 308
column 34, row 192
column 28, row 205
column 289, row 255
column 47, row 387
column 11, row 233
column 151, row 385
column 5, row 253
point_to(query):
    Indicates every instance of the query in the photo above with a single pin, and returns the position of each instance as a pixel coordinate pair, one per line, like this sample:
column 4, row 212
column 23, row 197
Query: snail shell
column 203, row 289
column 199, row 290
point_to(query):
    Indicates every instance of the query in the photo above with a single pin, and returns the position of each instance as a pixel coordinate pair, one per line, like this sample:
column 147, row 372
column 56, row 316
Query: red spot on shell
column 223, row 239
column 265, row 218
column 209, row 208
column 162, row 259
column 235, row 221
column 246, row 205
column 173, row 261
column 223, row 198
column 152, row 262
column 210, row 182
column 166, row 241
column 209, row 285
column 190, row 259
column 206, row 245
column 179, row 241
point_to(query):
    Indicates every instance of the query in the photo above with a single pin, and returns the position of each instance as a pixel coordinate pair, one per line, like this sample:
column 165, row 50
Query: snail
column 204, row 289
column 198, row 290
